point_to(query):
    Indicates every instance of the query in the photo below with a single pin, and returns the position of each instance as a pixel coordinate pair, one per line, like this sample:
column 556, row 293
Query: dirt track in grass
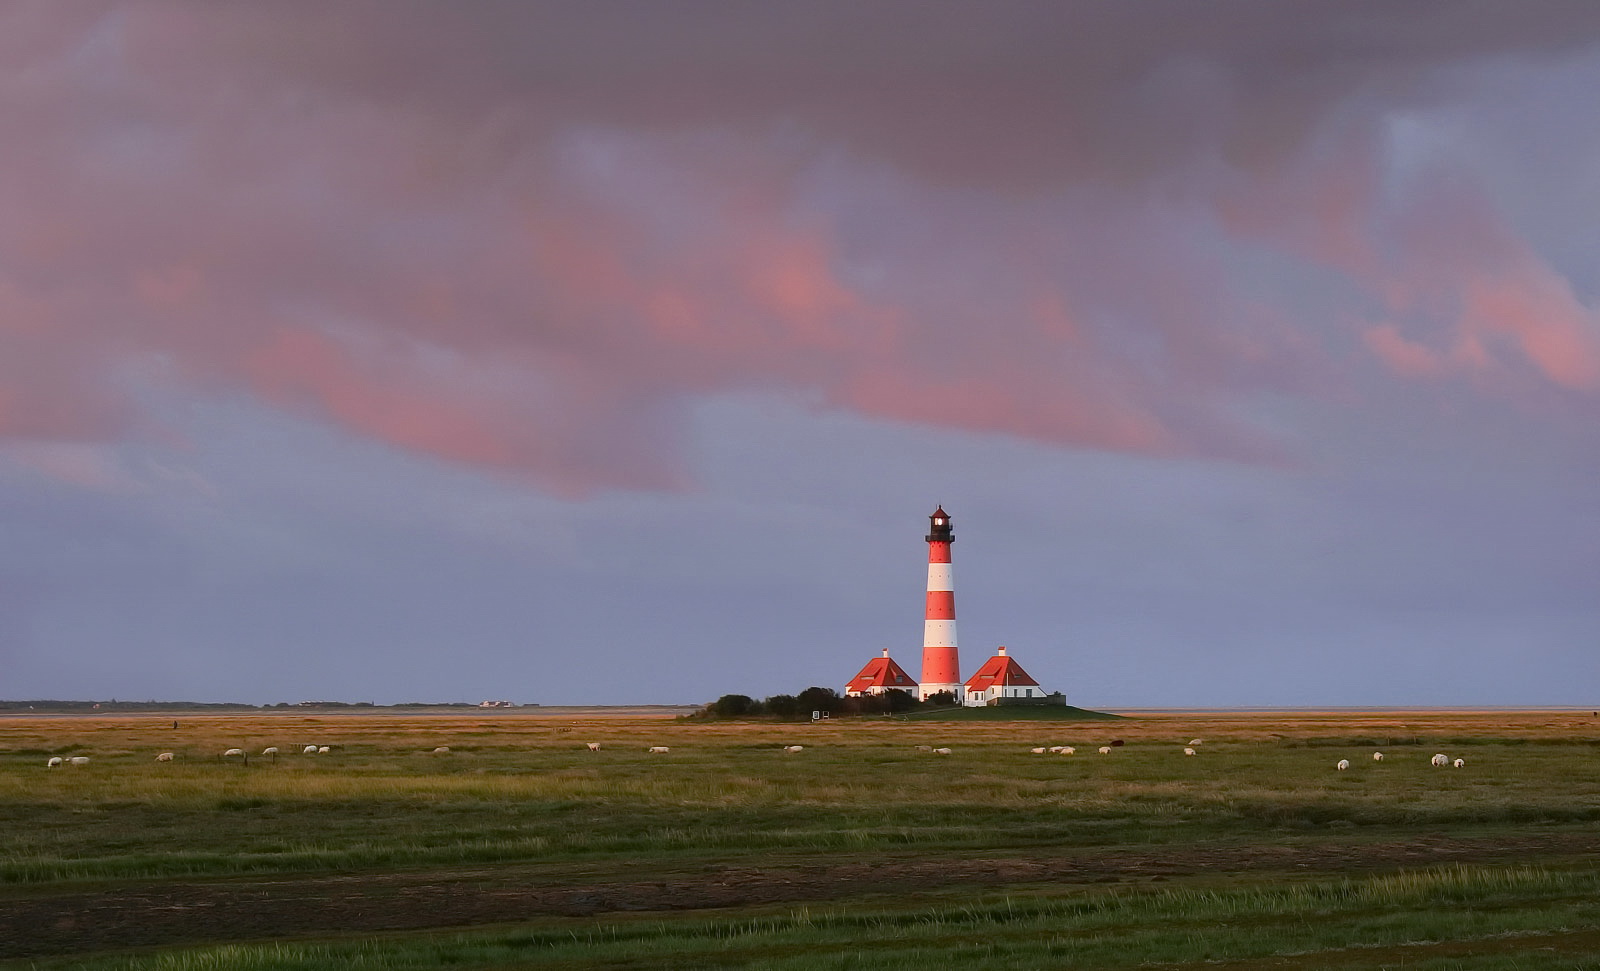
column 235, row 910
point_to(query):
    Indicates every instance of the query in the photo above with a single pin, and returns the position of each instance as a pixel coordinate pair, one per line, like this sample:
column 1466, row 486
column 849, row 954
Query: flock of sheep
column 1439, row 759
column 271, row 751
column 1103, row 750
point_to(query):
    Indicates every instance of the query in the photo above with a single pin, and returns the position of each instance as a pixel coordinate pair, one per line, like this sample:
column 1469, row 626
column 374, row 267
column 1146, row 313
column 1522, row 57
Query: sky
column 576, row 353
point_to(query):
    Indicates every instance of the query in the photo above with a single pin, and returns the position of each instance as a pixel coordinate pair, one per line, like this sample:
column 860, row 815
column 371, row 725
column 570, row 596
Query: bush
column 735, row 706
column 818, row 699
column 784, row 706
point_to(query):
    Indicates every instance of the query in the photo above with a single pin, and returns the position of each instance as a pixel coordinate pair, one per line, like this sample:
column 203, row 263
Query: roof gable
column 1001, row 670
column 881, row 672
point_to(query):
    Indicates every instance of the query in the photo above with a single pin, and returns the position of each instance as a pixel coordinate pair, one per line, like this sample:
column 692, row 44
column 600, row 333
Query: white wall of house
column 976, row 699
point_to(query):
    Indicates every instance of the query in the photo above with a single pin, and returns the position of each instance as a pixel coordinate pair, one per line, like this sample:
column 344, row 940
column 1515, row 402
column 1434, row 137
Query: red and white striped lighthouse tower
column 941, row 668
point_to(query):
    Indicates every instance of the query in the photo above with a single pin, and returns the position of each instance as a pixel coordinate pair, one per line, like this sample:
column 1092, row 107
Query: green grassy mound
column 1014, row 713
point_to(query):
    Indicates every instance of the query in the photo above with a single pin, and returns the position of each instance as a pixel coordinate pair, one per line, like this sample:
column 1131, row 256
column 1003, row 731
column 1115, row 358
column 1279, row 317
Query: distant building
column 881, row 674
column 1001, row 677
column 496, row 704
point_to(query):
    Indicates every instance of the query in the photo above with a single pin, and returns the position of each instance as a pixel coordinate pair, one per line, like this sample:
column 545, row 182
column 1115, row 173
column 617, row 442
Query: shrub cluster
column 799, row 707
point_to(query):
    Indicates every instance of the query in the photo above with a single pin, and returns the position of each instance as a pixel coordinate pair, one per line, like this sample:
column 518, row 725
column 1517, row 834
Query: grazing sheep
column 270, row 750
column 55, row 760
column 1188, row 751
column 1343, row 764
column 592, row 746
column 309, row 750
column 164, row 757
column 1458, row 763
column 1040, row 750
column 1440, row 759
column 78, row 760
column 1194, row 741
column 794, row 748
column 442, row 750
column 941, row 751
column 1377, row 756
column 233, row 751
column 1056, row 749
column 1105, row 750
column 323, row 750
column 1067, row 750
column 658, row 750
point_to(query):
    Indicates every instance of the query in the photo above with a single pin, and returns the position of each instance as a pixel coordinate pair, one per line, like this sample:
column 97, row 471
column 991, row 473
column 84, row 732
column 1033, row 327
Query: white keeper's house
column 1000, row 677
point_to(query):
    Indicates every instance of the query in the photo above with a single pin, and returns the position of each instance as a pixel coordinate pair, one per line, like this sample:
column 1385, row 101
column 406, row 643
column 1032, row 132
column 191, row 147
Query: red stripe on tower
column 941, row 668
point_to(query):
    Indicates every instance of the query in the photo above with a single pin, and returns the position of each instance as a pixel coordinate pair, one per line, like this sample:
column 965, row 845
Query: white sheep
column 1343, row 764
column 592, row 746
column 794, row 748
column 1194, row 741
column 78, row 760
column 1377, row 756
column 164, row 757
column 658, row 750
column 1067, row 750
column 1105, row 750
column 1188, row 751
column 1440, row 759
column 1040, row 750
column 1056, row 749
column 941, row 751
column 270, row 750
column 1458, row 763
column 323, row 750
column 442, row 750
column 55, row 760
column 233, row 751
column 309, row 750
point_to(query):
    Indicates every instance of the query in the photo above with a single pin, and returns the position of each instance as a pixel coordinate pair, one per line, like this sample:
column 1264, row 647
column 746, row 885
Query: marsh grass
column 526, row 791
column 1351, row 922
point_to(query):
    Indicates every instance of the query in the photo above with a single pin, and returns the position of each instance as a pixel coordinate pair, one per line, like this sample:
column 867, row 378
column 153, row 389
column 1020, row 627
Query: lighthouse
column 941, row 669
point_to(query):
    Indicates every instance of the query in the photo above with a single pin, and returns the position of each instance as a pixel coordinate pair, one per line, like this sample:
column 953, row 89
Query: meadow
column 523, row 848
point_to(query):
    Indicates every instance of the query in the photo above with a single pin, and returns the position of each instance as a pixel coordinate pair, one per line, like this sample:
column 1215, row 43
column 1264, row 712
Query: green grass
column 526, row 797
column 1489, row 915
column 125, row 818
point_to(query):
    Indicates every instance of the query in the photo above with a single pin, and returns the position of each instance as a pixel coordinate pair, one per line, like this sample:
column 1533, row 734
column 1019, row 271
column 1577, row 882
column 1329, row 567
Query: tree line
column 800, row 707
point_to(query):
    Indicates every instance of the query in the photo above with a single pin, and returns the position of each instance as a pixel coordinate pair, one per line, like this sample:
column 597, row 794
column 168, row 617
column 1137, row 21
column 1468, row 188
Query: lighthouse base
column 956, row 690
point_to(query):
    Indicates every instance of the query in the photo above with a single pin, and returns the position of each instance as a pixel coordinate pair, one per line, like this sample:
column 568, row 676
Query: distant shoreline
column 221, row 711
column 1347, row 709
column 199, row 709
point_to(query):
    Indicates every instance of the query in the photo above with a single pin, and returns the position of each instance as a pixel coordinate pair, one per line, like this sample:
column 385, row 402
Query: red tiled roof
column 881, row 672
column 999, row 669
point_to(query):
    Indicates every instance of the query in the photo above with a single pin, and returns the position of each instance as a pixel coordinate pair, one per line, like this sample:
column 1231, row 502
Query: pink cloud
column 392, row 223
column 1462, row 273
column 1537, row 310
column 1406, row 358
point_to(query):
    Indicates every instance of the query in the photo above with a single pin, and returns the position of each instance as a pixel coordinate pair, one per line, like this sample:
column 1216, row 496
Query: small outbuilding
column 881, row 674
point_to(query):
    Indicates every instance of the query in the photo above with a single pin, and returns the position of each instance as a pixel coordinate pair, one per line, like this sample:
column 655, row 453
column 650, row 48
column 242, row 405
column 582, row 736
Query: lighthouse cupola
column 939, row 529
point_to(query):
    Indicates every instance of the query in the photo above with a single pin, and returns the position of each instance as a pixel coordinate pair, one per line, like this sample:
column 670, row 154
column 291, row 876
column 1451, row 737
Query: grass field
column 523, row 848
